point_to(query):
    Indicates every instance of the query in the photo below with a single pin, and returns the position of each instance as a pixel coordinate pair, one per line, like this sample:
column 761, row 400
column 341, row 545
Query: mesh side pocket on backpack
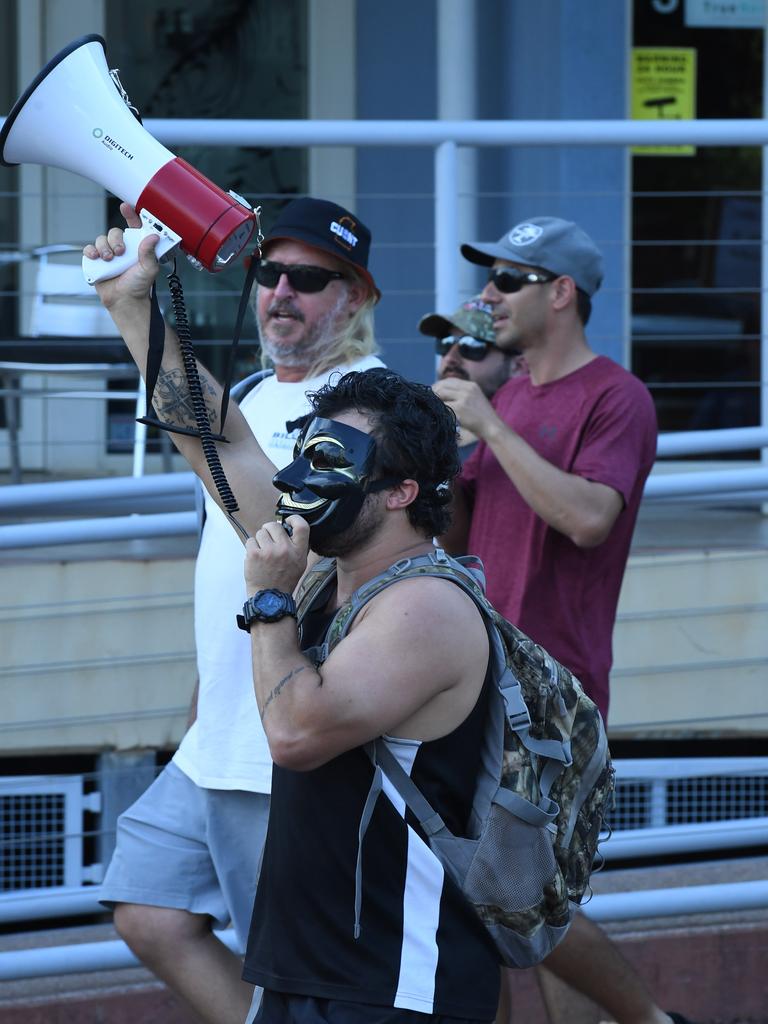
column 513, row 862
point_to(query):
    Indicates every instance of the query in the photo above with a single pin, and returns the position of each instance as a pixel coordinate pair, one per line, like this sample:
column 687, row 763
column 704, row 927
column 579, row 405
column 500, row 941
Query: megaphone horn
column 74, row 117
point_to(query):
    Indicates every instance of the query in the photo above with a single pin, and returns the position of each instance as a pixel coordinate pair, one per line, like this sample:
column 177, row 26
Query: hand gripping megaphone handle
column 103, row 270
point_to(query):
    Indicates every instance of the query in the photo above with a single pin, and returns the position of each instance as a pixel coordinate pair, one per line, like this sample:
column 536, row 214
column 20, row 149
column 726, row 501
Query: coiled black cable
column 199, row 408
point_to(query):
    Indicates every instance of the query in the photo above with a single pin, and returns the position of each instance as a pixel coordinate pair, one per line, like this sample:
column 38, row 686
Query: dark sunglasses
column 471, row 348
column 301, row 277
column 507, row 279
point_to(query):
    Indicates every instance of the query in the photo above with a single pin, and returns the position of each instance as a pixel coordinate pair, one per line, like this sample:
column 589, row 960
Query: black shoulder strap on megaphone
column 157, row 344
column 155, row 350
column 241, row 310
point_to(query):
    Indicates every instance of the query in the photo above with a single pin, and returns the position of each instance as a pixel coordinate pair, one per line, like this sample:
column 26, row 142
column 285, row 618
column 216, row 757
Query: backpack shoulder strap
column 438, row 564
column 247, row 384
column 435, row 563
column 312, row 582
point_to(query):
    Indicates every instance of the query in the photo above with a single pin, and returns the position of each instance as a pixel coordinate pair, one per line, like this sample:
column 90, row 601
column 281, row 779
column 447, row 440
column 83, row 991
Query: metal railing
column 447, row 137
column 727, row 812
column 620, row 906
column 176, row 492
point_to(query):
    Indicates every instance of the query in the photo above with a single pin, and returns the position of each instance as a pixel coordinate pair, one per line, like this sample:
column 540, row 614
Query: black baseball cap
column 327, row 226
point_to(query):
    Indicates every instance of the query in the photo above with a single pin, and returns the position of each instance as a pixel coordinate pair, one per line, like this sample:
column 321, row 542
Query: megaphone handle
column 103, row 270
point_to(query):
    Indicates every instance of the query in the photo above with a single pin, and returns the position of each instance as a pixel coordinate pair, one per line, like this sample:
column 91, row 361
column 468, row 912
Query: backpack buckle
column 517, row 711
column 518, row 720
column 400, row 567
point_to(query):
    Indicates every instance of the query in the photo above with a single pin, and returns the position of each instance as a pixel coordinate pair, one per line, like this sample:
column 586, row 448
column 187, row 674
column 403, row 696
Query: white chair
column 64, row 307
column 64, row 304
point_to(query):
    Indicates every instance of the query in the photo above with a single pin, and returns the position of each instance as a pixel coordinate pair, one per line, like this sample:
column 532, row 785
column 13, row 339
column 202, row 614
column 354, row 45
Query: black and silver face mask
column 329, row 478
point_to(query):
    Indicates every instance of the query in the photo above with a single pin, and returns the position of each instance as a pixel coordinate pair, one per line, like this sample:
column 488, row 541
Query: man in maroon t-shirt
column 550, row 496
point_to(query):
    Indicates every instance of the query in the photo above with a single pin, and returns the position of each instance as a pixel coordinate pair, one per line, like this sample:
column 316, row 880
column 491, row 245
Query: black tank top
column 421, row 946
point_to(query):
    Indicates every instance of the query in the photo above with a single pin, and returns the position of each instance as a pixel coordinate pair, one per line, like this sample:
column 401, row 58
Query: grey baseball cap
column 473, row 317
column 556, row 245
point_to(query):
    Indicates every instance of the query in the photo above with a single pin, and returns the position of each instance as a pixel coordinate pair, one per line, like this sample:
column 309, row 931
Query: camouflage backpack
column 545, row 783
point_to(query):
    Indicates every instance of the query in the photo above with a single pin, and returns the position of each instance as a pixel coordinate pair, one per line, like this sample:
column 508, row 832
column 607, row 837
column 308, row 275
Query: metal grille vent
column 41, row 826
column 689, row 791
column 32, row 838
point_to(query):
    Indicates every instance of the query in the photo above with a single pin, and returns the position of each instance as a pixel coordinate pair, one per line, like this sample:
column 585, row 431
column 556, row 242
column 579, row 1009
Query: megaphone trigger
column 102, row 270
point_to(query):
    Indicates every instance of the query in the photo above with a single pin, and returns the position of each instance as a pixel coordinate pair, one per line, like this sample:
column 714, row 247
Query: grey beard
column 307, row 350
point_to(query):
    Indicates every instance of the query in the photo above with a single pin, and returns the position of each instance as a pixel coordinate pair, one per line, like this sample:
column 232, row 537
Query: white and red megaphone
column 73, row 116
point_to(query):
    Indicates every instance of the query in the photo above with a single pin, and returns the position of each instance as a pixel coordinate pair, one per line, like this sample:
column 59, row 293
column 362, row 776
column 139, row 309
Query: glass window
column 696, row 239
column 222, row 59
column 8, row 274
column 8, row 230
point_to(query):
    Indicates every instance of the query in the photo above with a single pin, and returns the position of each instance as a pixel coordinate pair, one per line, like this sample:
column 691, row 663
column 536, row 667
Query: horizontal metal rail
column 177, row 490
column 699, row 442
column 623, row 906
column 668, row 486
column 31, row 499
column 300, row 133
column 626, row 844
column 76, row 901
column 732, row 485
column 617, row 132
column 695, row 899
column 42, row 904
column 88, row 531
column 77, row 958
column 633, row 768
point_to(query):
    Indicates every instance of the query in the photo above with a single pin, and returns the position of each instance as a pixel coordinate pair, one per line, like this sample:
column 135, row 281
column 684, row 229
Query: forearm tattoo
column 173, row 402
column 276, row 691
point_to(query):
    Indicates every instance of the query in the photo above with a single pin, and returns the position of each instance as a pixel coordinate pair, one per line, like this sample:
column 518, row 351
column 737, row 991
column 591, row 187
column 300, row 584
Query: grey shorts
column 192, row 849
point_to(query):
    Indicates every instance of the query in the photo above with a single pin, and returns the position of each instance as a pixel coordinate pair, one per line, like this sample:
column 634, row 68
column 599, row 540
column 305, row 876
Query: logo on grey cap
column 524, row 234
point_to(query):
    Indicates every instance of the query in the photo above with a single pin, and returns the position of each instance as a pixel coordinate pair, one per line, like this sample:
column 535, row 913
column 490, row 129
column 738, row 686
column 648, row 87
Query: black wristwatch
column 266, row 606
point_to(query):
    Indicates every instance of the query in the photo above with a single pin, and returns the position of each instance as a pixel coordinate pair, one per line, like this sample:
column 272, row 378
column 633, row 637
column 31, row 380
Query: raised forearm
column 172, row 396
column 248, row 470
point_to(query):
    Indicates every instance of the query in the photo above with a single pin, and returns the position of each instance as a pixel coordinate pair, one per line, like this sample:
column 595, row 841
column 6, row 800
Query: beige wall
column 691, row 645
column 100, row 655
column 95, row 655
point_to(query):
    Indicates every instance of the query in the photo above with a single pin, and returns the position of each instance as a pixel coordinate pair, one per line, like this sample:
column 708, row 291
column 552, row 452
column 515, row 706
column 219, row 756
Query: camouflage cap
column 473, row 317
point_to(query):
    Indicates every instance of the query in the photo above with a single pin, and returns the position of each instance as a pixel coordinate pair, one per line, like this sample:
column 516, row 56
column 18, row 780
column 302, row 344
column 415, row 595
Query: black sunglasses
column 471, row 348
column 301, row 277
column 507, row 279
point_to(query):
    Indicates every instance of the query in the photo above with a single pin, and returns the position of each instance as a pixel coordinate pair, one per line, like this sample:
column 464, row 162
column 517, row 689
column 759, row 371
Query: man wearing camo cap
column 550, row 496
column 465, row 341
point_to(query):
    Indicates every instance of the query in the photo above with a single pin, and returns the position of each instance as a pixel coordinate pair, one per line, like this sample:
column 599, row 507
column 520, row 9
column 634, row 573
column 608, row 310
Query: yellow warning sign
column 663, row 89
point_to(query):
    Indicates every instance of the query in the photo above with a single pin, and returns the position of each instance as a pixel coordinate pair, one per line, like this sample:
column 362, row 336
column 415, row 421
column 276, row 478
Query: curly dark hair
column 415, row 435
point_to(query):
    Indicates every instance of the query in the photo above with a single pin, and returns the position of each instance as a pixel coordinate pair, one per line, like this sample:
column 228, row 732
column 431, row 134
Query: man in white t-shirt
column 188, row 850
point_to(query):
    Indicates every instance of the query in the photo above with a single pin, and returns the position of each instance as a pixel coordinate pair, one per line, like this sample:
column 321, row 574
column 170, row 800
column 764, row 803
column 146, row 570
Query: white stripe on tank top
column 422, row 893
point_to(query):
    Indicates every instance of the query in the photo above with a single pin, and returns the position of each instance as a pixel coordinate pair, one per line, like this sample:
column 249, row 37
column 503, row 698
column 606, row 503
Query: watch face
column 270, row 603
